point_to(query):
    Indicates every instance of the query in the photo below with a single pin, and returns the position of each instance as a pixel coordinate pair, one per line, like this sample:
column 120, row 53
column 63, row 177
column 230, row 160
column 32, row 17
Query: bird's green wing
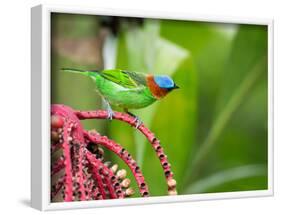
column 124, row 78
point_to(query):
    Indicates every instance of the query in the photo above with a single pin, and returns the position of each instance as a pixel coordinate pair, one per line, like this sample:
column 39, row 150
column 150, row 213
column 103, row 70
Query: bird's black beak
column 176, row 87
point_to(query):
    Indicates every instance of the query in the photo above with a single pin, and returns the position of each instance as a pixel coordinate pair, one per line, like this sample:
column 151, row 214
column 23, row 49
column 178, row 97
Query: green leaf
column 227, row 176
column 245, row 67
column 209, row 44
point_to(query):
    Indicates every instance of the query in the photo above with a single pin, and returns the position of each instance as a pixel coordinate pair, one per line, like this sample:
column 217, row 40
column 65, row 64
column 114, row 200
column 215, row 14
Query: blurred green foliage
column 214, row 129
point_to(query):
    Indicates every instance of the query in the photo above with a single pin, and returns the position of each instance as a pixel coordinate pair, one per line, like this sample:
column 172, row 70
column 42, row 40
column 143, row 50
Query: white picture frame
column 40, row 65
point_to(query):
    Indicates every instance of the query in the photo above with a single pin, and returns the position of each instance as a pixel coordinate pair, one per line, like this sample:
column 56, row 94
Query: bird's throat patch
column 156, row 91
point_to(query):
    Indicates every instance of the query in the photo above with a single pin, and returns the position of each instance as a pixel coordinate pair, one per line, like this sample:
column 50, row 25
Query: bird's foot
column 137, row 119
column 108, row 109
column 110, row 114
column 138, row 122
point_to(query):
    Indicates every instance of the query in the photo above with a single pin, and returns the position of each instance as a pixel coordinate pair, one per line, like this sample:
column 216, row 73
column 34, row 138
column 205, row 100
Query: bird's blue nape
column 164, row 81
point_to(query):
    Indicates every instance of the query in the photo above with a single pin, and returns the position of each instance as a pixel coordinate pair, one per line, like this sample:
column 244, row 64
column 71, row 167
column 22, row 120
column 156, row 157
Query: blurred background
column 214, row 129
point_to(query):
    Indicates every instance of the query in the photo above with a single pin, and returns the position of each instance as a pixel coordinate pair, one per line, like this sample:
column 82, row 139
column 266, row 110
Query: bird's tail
column 80, row 71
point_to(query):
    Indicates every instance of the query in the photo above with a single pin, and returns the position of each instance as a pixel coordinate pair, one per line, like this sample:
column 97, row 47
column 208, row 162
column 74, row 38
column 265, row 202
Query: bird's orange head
column 160, row 85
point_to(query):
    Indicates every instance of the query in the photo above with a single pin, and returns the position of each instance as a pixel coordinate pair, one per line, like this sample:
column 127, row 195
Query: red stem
column 68, row 169
column 110, row 179
column 100, row 181
column 102, row 114
column 97, row 177
column 124, row 155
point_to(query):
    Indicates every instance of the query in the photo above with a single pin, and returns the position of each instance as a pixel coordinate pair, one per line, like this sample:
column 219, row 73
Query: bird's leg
column 137, row 119
column 108, row 109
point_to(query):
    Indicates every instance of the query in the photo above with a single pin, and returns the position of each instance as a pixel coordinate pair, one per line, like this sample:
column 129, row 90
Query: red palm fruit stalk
column 98, row 178
column 102, row 176
column 73, row 153
column 101, row 114
column 68, row 168
column 92, row 191
column 77, row 173
column 109, row 177
column 124, row 155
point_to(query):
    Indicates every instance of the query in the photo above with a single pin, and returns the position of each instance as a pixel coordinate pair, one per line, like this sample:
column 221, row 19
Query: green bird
column 128, row 89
